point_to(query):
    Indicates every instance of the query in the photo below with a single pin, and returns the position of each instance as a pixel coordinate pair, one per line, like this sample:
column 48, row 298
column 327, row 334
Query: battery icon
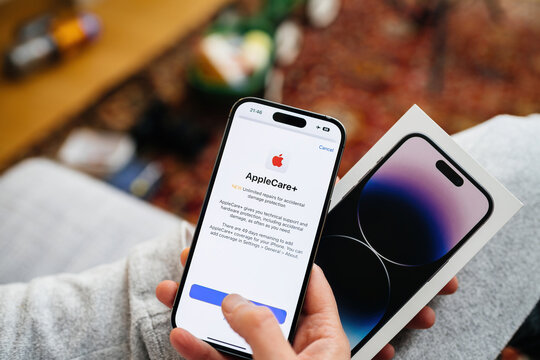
column 326, row 129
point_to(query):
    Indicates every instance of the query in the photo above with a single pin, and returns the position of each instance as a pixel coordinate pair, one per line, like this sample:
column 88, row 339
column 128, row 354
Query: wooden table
column 135, row 32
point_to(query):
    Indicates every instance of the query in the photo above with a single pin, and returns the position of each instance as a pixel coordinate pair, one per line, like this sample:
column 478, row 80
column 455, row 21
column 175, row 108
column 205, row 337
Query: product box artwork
column 437, row 206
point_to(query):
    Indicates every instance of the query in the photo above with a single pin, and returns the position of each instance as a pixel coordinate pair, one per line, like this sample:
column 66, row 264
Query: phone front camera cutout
column 289, row 119
column 450, row 174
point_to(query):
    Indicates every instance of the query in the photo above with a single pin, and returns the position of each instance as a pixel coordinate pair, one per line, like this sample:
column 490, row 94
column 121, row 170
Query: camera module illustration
column 395, row 230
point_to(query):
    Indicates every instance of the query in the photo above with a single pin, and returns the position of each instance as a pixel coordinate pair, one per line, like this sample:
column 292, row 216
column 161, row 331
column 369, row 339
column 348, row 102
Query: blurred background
column 136, row 93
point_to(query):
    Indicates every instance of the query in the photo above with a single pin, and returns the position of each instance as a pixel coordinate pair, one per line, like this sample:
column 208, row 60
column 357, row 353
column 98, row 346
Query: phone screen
column 386, row 238
column 261, row 221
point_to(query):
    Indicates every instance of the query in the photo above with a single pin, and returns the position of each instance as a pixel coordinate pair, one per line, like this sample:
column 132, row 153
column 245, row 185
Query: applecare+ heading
column 271, row 182
column 260, row 221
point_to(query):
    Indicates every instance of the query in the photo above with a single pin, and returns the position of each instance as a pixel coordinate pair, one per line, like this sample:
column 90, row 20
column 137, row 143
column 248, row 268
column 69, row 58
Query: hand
column 319, row 334
column 423, row 320
column 311, row 338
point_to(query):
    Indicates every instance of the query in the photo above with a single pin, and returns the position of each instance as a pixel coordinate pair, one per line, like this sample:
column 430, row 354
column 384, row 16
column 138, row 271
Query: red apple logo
column 276, row 160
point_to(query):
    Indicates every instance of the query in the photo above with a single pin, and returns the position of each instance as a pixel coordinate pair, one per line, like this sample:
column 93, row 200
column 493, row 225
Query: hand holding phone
column 261, row 220
column 192, row 348
column 319, row 335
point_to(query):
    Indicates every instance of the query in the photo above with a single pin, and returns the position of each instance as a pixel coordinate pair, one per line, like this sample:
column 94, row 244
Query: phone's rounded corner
column 341, row 128
column 243, row 100
column 490, row 201
column 491, row 204
column 417, row 134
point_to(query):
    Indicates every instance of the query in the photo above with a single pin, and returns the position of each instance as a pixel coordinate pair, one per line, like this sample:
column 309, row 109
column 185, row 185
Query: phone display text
column 261, row 220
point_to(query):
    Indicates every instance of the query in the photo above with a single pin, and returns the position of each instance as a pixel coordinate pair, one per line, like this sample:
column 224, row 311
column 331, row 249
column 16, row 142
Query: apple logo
column 276, row 160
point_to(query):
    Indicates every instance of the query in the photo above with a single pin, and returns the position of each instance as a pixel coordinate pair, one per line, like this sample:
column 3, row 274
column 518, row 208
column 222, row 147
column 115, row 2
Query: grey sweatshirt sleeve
column 109, row 312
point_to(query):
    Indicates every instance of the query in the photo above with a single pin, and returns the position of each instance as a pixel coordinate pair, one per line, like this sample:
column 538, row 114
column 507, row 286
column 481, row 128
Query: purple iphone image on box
column 393, row 231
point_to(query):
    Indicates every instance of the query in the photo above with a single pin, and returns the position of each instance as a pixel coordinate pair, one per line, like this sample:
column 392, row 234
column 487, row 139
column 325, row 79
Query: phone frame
column 450, row 253
column 322, row 220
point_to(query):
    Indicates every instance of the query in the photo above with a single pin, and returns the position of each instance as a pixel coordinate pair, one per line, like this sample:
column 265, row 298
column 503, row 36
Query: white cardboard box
column 505, row 205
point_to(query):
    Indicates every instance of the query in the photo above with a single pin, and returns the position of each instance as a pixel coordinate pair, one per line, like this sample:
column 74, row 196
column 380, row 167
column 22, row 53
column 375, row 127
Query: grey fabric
column 111, row 311
column 501, row 285
column 53, row 219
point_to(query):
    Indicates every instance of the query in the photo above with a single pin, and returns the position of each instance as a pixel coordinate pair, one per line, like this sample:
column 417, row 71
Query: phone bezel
column 324, row 212
column 452, row 252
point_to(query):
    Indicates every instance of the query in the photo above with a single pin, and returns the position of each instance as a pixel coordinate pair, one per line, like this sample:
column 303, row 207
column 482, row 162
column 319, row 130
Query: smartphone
column 394, row 230
column 261, row 220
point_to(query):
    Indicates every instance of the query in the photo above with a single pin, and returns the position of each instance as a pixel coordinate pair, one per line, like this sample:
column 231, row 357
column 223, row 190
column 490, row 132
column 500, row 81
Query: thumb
column 258, row 326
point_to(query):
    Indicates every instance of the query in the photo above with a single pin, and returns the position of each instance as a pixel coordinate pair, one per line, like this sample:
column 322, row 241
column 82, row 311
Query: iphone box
column 503, row 205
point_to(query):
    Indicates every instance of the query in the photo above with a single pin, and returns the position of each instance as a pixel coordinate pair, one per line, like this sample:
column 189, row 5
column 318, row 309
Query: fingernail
column 231, row 302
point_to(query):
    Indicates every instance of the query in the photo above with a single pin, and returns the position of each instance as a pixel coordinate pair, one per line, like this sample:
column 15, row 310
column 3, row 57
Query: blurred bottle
column 62, row 37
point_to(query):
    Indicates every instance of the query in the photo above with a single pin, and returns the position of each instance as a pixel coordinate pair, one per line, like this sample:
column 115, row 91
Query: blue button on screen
column 215, row 297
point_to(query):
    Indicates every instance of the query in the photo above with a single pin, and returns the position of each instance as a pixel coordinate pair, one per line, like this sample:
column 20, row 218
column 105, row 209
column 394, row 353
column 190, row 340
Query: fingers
column 192, row 348
column 184, row 255
column 423, row 320
column 166, row 291
column 426, row 317
column 320, row 318
column 319, row 295
column 386, row 353
column 450, row 288
column 258, row 326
